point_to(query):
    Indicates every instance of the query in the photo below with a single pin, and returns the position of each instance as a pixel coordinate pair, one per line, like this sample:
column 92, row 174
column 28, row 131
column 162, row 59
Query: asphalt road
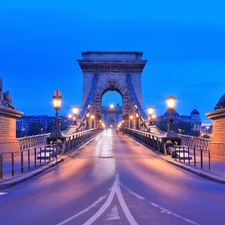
column 114, row 180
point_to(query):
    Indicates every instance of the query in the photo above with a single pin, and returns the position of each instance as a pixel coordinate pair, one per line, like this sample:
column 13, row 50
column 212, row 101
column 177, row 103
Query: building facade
column 194, row 118
column 23, row 123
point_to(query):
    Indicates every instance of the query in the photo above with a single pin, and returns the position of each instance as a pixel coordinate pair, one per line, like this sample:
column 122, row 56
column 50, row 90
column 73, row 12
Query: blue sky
column 183, row 41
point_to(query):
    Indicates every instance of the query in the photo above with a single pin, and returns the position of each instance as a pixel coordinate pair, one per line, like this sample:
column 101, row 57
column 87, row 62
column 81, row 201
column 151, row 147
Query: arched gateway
column 115, row 71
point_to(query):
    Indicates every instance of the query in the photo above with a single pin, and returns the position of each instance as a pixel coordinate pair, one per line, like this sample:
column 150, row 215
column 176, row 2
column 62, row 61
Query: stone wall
column 217, row 144
column 8, row 141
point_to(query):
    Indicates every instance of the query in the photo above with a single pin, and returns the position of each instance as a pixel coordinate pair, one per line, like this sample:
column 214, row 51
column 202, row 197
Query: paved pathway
column 216, row 172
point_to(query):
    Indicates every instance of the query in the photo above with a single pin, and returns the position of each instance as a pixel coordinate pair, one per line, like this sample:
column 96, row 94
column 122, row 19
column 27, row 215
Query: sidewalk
column 18, row 178
column 216, row 173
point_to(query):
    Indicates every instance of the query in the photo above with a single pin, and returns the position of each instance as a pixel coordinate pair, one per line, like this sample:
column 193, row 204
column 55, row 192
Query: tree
column 34, row 129
column 180, row 127
column 162, row 125
column 50, row 127
column 184, row 127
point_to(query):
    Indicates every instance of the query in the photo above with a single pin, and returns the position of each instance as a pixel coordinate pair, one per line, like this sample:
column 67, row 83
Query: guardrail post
column 209, row 159
column 21, row 164
column 194, row 156
column 1, row 167
column 28, row 152
column 201, row 153
column 183, row 154
column 35, row 157
column 188, row 155
column 179, row 153
column 40, row 157
column 12, row 160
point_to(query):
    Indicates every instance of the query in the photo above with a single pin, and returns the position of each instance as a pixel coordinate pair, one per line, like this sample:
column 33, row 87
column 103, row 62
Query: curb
column 200, row 172
column 23, row 177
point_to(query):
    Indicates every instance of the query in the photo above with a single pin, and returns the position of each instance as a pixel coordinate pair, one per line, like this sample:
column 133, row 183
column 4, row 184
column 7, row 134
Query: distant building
column 194, row 118
column 112, row 115
column 23, row 123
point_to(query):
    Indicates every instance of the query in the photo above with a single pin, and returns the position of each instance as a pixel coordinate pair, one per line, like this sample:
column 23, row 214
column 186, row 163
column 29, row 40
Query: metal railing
column 25, row 159
column 150, row 139
column 75, row 140
column 181, row 150
column 196, row 142
column 195, row 156
column 12, row 163
column 32, row 141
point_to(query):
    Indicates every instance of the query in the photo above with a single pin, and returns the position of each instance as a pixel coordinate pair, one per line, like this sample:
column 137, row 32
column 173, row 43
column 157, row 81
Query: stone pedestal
column 217, row 144
column 8, row 141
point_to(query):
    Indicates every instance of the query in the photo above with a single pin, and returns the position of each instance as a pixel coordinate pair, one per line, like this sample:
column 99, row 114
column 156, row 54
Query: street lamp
column 92, row 119
column 137, row 122
column 131, row 121
column 87, row 124
column 171, row 104
column 56, row 133
column 75, row 111
column 150, row 112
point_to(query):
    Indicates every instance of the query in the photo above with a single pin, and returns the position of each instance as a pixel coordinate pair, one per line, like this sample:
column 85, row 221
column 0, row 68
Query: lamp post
column 150, row 113
column 131, row 121
column 171, row 104
column 56, row 133
column 87, row 124
column 137, row 122
column 75, row 111
column 92, row 121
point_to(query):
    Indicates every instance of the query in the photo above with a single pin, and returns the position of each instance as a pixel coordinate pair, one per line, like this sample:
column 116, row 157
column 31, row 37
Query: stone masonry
column 112, row 68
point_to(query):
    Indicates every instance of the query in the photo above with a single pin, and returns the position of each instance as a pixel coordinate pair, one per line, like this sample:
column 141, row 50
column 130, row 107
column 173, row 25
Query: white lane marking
column 174, row 214
column 114, row 191
column 104, row 206
column 162, row 209
column 114, row 215
column 83, row 211
column 123, row 204
column 135, row 194
column 3, row 193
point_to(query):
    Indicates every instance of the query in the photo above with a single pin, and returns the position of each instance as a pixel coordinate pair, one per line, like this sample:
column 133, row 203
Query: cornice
column 4, row 111
column 112, row 65
column 216, row 114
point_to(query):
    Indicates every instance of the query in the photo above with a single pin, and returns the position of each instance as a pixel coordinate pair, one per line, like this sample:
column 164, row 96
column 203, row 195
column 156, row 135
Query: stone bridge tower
column 109, row 71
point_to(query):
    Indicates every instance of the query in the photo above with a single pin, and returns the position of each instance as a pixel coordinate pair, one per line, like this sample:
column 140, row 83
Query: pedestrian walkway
column 216, row 172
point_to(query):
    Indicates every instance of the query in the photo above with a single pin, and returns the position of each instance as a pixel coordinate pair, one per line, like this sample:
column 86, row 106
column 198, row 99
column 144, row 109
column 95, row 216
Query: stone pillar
column 8, row 141
column 217, row 144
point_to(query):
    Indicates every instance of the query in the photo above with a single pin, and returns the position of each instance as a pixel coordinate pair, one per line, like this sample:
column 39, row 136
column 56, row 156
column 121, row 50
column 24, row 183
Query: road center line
column 104, row 206
column 161, row 208
column 123, row 204
column 115, row 190
column 174, row 214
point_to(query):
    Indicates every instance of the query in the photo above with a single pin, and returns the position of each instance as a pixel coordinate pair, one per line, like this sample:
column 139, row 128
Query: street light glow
column 170, row 102
column 150, row 110
column 75, row 110
column 57, row 99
